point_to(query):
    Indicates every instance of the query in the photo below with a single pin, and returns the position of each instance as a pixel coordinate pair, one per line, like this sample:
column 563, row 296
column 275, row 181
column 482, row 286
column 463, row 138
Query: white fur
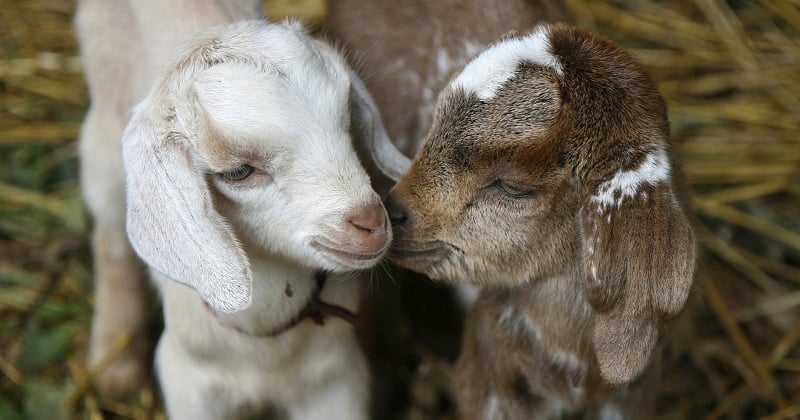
column 653, row 170
column 487, row 73
column 274, row 99
column 209, row 370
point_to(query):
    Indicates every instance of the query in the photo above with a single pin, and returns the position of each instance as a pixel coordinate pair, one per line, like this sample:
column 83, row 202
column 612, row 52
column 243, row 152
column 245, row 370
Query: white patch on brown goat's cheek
column 625, row 184
column 487, row 73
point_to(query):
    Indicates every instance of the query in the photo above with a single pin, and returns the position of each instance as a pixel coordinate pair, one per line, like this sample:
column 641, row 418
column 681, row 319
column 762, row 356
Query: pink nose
column 366, row 227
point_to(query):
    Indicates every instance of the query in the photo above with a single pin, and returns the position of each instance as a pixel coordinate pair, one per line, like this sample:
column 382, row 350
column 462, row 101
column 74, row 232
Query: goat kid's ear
column 638, row 258
column 171, row 220
column 366, row 119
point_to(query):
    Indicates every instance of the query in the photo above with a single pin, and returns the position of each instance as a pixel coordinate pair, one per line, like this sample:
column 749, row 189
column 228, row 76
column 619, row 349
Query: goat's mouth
column 410, row 254
column 351, row 259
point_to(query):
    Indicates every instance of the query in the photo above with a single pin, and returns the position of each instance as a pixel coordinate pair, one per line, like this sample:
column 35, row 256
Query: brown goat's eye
column 238, row 174
column 512, row 190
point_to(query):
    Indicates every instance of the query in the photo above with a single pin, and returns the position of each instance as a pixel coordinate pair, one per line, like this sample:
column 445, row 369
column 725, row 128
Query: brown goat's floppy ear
column 638, row 259
column 171, row 220
column 366, row 119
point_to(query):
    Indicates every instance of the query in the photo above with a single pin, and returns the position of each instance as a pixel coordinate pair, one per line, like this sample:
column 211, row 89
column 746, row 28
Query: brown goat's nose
column 397, row 213
column 368, row 227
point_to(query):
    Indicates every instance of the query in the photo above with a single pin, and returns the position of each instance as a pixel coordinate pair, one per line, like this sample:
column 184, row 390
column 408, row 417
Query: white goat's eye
column 238, row 174
column 513, row 191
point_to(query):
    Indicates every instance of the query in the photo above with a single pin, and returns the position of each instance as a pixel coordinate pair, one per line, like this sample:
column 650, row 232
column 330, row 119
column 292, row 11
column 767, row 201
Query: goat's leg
column 121, row 289
column 112, row 52
column 121, row 297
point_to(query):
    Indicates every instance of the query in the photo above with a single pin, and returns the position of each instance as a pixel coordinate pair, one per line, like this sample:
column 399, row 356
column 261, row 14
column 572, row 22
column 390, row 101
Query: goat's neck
column 281, row 290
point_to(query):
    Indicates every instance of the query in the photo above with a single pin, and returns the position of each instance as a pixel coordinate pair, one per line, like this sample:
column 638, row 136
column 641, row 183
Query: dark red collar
column 315, row 310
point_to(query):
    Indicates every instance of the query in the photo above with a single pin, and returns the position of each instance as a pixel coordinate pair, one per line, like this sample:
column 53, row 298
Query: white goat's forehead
column 282, row 46
column 487, row 73
column 246, row 103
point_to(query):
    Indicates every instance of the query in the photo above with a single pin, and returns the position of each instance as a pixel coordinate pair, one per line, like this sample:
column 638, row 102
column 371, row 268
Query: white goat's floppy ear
column 171, row 220
column 367, row 119
column 638, row 258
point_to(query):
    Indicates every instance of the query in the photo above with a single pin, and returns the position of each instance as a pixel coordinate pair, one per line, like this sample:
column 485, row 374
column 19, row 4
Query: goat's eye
column 512, row 190
column 238, row 174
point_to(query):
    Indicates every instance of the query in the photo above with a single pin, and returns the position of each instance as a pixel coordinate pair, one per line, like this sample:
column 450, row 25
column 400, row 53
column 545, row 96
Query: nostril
column 397, row 216
column 397, row 213
column 370, row 218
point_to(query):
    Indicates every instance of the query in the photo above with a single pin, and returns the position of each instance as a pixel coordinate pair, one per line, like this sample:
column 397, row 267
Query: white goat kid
column 243, row 186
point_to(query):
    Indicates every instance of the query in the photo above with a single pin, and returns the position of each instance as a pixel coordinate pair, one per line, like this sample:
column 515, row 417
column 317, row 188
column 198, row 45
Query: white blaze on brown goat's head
column 246, row 147
column 549, row 155
column 488, row 72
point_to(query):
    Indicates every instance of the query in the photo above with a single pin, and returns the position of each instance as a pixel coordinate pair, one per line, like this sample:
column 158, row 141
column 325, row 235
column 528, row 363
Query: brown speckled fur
column 546, row 337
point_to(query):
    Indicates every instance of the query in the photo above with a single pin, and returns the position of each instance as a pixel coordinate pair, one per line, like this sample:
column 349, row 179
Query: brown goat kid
column 547, row 177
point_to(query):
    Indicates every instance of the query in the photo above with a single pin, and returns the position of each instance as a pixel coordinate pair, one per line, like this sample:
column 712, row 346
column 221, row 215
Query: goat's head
column 550, row 154
column 245, row 144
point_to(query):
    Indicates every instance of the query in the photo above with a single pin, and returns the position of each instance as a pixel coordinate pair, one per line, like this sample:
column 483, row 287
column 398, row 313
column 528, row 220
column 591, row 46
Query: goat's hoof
column 122, row 376
column 121, row 379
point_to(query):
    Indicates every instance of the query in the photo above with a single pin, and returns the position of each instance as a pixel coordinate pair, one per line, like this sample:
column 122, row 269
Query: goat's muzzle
column 398, row 214
column 367, row 227
column 359, row 240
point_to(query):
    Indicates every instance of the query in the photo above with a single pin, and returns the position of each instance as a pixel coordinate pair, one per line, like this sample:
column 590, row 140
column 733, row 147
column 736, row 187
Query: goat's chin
column 422, row 257
column 447, row 263
column 340, row 258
